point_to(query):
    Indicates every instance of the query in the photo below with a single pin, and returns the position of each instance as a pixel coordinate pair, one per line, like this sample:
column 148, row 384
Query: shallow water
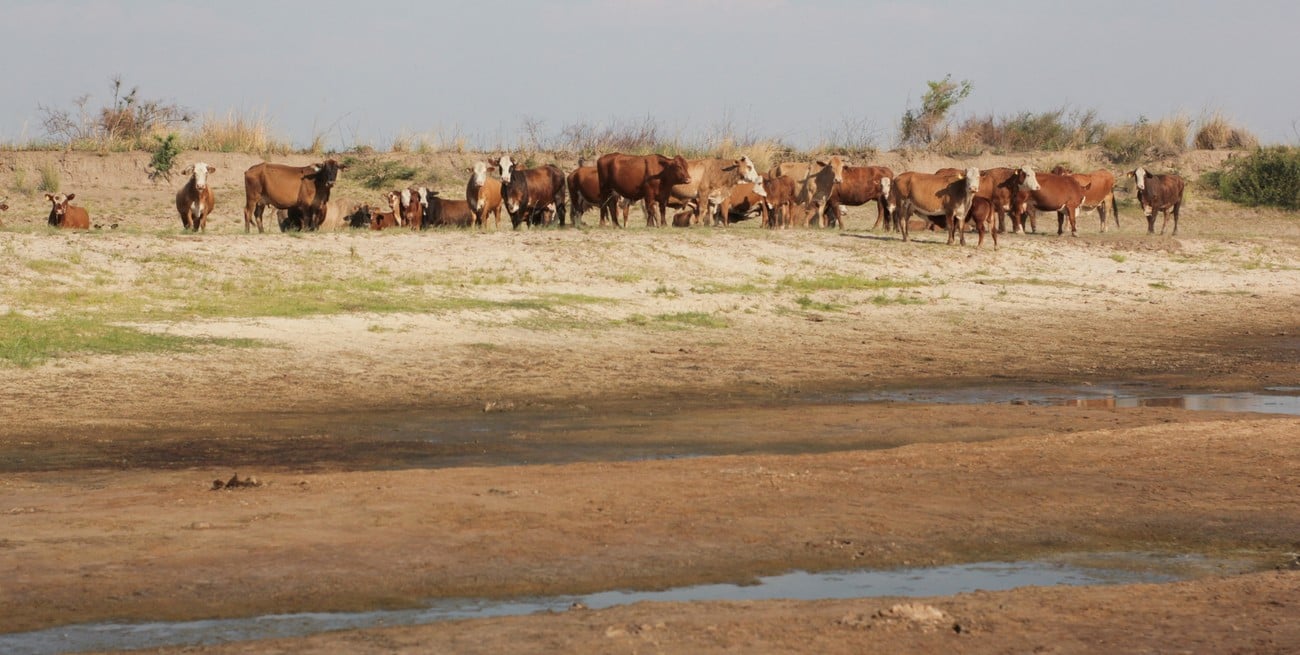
column 1277, row 400
column 1114, row 568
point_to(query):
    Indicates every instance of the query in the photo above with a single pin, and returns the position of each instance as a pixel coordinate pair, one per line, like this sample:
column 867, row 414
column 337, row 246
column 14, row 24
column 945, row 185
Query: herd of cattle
column 701, row 192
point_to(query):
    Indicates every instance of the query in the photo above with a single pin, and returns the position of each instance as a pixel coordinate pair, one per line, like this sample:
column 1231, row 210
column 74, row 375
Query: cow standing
column 1056, row 193
column 814, row 183
column 858, row 186
column 65, row 215
column 195, row 200
column 1158, row 193
column 302, row 188
column 584, row 193
column 1099, row 187
column 649, row 178
column 710, row 181
column 531, row 195
column 483, row 193
column 948, row 195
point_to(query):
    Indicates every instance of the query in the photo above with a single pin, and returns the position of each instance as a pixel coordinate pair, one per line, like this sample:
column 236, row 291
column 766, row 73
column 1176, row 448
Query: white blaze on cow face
column 759, row 190
column 406, row 198
column 201, row 175
column 748, row 172
column 885, row 183
column 480, row 173
column 506, row 164
column 424, row 196
column 1141, row 175
column 1031, row 180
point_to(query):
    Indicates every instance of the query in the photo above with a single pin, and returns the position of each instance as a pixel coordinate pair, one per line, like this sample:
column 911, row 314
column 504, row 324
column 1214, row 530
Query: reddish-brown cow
column 780, row 201
column 1058, row 193
column 443, row 212
column 194, row 201
column 1158, row 193
column 744, row 198
column 390, row 218
column 65, row 215
column 858, row 186
column 711, row 180
column 531, row 195
column 1099, row 187
column 584, row 193
column 948, row 195
column 305, row 188
column 483, row 194
column 648, row 178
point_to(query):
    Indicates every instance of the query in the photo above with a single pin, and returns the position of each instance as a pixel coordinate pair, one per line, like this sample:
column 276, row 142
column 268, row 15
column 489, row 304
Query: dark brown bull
column 531, row 195
column 648, row 178
column 65, row 215
column 858, row 186
column 584, row 193
column 194, row 201
column 1056, row 193
column 443, row 212
column 1099, row 187
column 305, row 188
column 1158, row 193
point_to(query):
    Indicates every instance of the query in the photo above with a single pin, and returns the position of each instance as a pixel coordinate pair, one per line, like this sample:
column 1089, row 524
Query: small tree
column 921, row 126
column 129, row 118
column 164, row 157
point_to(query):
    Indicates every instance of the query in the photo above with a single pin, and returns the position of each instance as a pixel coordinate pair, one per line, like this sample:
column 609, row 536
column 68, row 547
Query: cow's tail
column 1114, row 209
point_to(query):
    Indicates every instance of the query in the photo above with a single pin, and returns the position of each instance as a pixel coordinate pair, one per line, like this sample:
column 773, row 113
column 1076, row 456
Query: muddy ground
column 572, row 411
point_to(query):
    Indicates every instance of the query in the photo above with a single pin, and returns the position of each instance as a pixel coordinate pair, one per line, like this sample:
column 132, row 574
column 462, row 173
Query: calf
column 780, row 201
column 483, row 194
column 948, row 195
column 390, row 218
column 65, row 215
column 358, row 217
column 1059, row 193
column 194, row 201
column 1158, row 193
column 744, row 199
column 1099, row 186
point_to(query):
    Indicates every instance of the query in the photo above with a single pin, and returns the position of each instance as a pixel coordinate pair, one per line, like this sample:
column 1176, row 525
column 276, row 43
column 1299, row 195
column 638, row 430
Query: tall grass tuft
column 237, row 132
column 49, row 182
column 1216, row 132
column 1143, row 140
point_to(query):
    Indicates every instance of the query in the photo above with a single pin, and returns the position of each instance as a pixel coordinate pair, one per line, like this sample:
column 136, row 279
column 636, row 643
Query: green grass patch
column 838, row 281
column 1118, row 257
column 882, row 299
column 809, row 304
column 27, row 341
column 1159, row 285
column 678, row 320
column 712, row 287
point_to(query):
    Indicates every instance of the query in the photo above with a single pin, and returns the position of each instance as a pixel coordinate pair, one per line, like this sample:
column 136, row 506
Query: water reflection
column 1276, row 402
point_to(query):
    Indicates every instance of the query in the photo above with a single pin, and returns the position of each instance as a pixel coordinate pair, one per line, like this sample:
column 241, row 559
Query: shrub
column 920, row 127
column 122, row 124
column 374, row 173
column 164, row 157
column 1216, row 132
column 1269, row 176
column 49, row 178
column 1133, row 142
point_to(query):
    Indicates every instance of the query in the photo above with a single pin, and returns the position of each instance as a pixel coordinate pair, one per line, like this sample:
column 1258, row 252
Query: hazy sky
column 800, row 70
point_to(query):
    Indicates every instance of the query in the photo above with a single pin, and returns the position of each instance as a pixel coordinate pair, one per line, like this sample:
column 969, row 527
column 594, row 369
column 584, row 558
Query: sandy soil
column 728, row 345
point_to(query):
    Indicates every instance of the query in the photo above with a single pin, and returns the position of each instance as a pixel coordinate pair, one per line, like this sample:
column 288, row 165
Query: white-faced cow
column 858, row 186
column 65, row 215
column 1158, row 193
column 948, row 195
column 1099, row 187
column 1057, row 193
column 194, row 201
column 483, row 193
column 305, row 188
column 531, row 195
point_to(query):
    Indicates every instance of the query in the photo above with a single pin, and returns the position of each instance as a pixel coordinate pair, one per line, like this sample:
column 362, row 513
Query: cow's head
column 480, row 172
column 512, row 196
column 394, row 199
column 1061, row 170
column 836, row 164
column 759, row 189
column 59, row 206
column 424, row 195
column 505, row 166
column 972, row 181
column 747, row 170
column 199, row 172
column 676, row 171
column 327, row 172
column 885, row 184
column 1027, row 178
column 1140, row 176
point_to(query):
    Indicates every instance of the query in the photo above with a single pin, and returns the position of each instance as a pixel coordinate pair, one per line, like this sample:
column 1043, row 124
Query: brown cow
column 1058, row 193
column 780, row 201
column 483, row 194
column 858, row 186
column 584, row 193
column 1099, row 187
column 306, row 188
column 744, row 199
column 531, row 195
column 1158, row 193
column 194, row 201
column 710, row 181
column 814, row 182
column 443, row 212
column 948, row 195
column 390, row 218
column 980, row 216
column 648, row 178
column 65, row 215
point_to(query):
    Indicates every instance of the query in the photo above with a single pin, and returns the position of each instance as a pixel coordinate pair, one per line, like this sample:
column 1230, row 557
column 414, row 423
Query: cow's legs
column 1101, row 211
column 1177, row 206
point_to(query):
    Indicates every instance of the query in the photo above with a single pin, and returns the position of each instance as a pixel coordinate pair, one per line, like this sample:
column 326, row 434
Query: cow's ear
column 71, row 196
column 189, row 170
column 469, row 169
column 212, row 169
column 342, row 167
column 822, row 163
column 49, row 197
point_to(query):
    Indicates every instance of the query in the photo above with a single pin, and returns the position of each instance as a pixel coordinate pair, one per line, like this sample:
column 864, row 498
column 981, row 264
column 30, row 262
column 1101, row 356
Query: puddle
column 1106, row 568
column 1275, row 400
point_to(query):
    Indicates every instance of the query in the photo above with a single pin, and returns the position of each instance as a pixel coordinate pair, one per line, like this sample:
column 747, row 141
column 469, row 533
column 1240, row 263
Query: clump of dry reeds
column 1216, row 132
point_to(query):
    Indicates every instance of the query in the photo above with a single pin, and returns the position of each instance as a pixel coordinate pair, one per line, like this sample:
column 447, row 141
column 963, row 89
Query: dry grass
column 237, row 132
column 1216, row 132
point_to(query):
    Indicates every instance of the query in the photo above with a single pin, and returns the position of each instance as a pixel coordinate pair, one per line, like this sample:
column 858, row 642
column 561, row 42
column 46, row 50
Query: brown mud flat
column 499, row 453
